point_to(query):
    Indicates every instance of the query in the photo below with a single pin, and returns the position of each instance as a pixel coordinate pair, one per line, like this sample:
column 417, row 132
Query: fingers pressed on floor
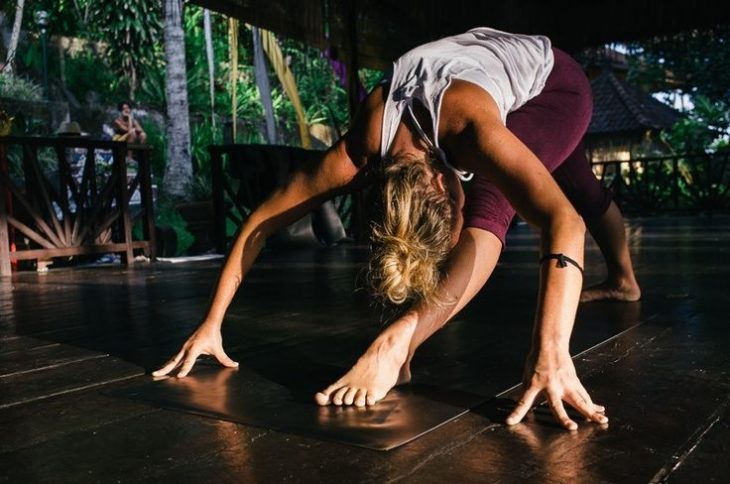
column 586, row 408
column 225, row 360
column 523, row 406
column 170, row 365
column 556, row 404
column 187, row 366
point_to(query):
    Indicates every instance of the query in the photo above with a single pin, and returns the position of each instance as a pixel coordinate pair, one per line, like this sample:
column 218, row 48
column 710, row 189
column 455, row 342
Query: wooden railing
column 244, row 175
column 684, row 183
column 64, row 208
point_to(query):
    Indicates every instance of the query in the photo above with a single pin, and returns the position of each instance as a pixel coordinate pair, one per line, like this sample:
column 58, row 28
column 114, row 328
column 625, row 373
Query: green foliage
column 157, row 139
column 152, row 88
column 167, row 216
column 202, row 135
column 65, row 17
column 697, row 62
column 370, row 78
column 705, row 129
column 323, row 98
column 84, row 74
column 16, row 87
column 131, row 28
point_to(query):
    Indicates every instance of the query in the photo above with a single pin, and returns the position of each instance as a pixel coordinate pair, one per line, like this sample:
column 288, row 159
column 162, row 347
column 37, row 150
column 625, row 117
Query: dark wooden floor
column 662, row 368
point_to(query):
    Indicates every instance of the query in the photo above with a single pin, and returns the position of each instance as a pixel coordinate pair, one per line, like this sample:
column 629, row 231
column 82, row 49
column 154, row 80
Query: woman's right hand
column 206, row 340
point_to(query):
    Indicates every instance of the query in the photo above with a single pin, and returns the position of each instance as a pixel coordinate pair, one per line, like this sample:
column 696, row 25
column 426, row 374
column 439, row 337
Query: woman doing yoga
column 512, row 111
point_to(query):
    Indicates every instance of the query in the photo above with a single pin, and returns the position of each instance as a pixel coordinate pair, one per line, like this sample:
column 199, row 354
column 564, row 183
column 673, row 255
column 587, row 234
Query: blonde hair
column 413, row 239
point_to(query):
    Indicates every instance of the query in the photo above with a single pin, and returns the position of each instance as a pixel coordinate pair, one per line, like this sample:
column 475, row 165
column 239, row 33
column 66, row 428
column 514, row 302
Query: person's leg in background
column 552, row 125
column 605, row 223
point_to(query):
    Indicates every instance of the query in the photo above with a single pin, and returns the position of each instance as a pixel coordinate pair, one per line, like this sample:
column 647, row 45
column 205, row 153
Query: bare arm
column 314, row 182
column 120, row 126
column 537, row 198
column 470, row 265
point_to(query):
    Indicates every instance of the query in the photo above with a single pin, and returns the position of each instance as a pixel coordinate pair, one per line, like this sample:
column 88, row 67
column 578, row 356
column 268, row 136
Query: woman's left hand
column 552, row 374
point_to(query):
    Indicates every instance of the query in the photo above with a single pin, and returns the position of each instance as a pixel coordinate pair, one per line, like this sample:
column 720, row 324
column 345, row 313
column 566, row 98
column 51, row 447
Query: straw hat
column 69, row 128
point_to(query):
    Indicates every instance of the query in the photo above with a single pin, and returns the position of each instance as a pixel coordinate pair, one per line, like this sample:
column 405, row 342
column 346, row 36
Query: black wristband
column 563, row 261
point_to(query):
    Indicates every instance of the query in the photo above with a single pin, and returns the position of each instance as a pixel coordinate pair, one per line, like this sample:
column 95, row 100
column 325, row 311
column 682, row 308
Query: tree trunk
column 8, row 68
column 262, row 82
column 179, row 168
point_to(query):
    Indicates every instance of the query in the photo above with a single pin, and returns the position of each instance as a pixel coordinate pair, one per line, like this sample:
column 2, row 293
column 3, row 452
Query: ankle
column 396, row 337
column 622, row 280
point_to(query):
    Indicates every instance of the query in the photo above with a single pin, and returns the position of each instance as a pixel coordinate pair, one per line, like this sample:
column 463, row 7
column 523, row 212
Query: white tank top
column 512, row 68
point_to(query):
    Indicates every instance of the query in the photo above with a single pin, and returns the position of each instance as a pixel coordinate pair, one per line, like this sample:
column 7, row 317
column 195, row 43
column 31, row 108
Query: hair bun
column 413, row 239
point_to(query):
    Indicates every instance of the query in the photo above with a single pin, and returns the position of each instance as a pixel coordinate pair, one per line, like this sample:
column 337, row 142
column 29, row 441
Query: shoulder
column 469, row 125
column 463, row 104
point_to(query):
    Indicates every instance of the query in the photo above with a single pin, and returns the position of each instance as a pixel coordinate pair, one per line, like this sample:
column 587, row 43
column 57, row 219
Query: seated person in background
column 126, row 128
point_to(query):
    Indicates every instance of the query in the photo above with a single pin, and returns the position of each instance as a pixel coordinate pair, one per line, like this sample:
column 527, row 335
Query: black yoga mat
column 244, row 396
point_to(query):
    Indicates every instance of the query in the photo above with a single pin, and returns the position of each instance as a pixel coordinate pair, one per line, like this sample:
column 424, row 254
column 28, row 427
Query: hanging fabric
column 268, row 41
column 208, row 31
column 233, row 52
column 262, row 82
column 340, row 69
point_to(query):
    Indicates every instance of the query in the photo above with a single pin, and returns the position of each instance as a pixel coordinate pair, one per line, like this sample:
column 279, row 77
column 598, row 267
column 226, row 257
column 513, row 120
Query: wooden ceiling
column 382, row 30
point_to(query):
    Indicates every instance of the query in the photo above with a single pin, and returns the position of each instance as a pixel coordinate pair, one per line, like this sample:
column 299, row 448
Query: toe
column 338, row 395
column 370, row 399
column 322, row 398
column 360, row 398
column 349, row 397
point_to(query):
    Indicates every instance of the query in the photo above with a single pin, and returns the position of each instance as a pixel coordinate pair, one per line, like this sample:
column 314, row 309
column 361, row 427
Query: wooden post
column 353, row 97
column 351, row 58
column 675, row 185
column 219, row 202
column 5, row 269
column 64, row 175
column 120, row 164
column 145, row 187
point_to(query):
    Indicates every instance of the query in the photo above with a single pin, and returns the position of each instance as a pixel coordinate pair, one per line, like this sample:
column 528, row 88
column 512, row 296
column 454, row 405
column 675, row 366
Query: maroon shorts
column 552, row 125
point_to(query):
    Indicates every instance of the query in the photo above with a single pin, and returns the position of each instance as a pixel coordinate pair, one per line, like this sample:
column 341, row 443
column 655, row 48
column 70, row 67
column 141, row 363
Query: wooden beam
column 120, row 248
column 5, row 268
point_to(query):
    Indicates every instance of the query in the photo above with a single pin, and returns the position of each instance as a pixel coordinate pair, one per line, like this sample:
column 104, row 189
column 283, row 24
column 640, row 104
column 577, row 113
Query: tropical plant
column 697, row 62
column 705, row 129
column 157, row 140
column 16, row 87
column 84, row 73
column 130, row 29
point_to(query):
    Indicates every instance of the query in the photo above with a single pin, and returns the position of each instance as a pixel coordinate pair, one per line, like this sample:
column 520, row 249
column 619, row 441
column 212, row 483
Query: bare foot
column 612, row 291
column 384, row 365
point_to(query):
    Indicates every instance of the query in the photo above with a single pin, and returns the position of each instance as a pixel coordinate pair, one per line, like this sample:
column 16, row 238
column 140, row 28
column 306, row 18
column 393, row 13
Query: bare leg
column 620, row 283
column 387, row 362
